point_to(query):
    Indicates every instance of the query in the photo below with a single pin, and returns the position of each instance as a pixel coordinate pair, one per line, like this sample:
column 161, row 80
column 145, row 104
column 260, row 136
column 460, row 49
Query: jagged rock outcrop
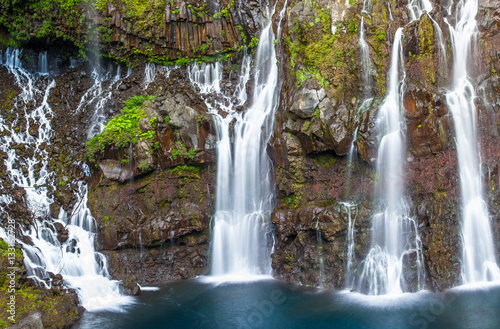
column 161, row 208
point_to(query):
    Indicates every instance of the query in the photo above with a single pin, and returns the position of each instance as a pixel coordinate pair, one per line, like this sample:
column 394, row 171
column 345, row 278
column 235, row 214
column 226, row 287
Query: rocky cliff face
column 156, row 208
column 320, row 109
column 153, row 200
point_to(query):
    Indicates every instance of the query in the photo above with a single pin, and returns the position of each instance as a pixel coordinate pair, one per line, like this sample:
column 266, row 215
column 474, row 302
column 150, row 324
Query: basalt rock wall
column 156, row 30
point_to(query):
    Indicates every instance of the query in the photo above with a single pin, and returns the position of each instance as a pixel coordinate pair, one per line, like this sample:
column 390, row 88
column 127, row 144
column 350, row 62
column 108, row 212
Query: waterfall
column 43, row 65
column 75, row 258
column 478, row 259
column 394, row 233
column 242, row 232
column 392, row 228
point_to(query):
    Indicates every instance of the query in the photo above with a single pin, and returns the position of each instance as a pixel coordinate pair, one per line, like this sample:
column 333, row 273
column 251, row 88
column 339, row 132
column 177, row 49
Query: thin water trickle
column 350, row 162
column 478, row 258
column 321, row 261
column 350, row 278
column 98, row 95
column 367, row 7
column 366, row 62
column 149, row 74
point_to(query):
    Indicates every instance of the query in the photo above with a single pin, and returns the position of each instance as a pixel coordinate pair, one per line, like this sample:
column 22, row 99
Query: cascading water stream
column 394, row 233
column 98, row 95
column 242, row 234
column 43, row 63
column 392, row 229
column 75, row 258
column 479, row 262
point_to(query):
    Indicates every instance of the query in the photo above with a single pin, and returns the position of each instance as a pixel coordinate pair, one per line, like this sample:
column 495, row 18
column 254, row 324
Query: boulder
column 115, row 170
column 144, row 159
column 305, row 103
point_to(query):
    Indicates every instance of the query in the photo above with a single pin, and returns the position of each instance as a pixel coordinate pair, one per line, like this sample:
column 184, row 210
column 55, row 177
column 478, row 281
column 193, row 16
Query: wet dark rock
column 62, row 232
column 130, row 288
column 27, row 240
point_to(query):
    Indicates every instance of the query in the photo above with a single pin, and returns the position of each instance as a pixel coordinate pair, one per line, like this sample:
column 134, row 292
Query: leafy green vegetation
column 254, row 42
column 42, row 20
column 292, row 201
column 143, row 165
column 122, row 130
column 181, row 151
column 145, row 13
column 189, row 171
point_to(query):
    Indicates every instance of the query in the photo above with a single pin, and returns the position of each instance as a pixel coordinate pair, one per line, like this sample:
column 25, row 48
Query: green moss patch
column 186, row 171
column 122, row 130
column 318, row 53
